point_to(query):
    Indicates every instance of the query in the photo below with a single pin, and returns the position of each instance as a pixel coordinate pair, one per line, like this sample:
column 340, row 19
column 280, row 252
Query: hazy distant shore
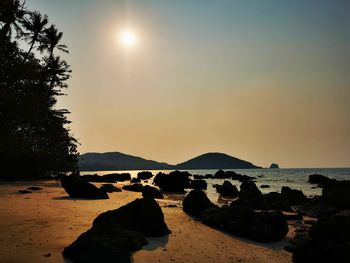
column 36, row 227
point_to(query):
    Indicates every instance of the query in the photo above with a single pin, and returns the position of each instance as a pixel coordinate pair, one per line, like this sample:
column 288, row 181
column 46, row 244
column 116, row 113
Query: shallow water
column 276, row 178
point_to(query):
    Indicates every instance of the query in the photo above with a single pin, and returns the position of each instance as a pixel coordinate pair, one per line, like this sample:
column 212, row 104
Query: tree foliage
column 35, row 140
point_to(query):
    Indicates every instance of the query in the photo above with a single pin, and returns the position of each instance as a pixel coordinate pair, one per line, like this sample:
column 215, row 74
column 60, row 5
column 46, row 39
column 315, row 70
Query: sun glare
column 128, row 38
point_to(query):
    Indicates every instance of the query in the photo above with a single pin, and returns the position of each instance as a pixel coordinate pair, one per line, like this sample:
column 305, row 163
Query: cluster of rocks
column 327, row 240
column 29, row 190
column 263, row 226
column 107, row 178
column 116, row 234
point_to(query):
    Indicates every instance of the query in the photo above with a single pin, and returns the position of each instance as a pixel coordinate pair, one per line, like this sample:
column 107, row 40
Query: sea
column 295, row 178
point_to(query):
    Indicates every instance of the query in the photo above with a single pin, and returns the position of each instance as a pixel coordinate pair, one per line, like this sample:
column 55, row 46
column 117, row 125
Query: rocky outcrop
column 227, row 189
column 328, row 241
column 110, row 188
column 175, row 181
column 143, row 215
column 198, row 184
column 77, row 188
column 151, row 192
column 274, row 166
column 245, row 222
column 107, row 178
column 319, row 179
column 292, row 196
column 144, row 175
column 133, row 187
column 117, row 233
column 196, row 202
column 337, row 193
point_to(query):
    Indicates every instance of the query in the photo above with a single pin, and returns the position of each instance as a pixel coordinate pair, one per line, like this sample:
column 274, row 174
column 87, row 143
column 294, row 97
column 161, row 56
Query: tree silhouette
column 34, row 25
column 35, row 141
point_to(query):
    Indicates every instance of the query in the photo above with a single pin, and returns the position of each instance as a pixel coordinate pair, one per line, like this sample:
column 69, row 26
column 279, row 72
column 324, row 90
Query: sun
column 128, row 38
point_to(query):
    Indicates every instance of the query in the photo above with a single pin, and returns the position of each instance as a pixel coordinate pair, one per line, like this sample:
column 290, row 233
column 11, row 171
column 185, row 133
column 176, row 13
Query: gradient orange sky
column 266, row 81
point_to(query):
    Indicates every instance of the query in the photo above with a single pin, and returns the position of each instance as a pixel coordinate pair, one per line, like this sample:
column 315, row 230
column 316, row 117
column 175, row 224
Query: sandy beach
column 36, row 227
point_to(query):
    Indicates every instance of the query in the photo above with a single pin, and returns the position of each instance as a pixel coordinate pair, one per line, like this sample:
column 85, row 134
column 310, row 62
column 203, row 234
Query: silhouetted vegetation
column 35, row 141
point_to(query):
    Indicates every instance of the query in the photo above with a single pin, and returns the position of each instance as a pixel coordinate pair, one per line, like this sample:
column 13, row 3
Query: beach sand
column 36, row 227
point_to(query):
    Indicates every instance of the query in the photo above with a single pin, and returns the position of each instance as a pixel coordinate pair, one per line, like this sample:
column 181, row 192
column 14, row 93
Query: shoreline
column 36, row 227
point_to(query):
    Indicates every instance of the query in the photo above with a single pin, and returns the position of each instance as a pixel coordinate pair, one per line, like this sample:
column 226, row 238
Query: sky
column 265, row 81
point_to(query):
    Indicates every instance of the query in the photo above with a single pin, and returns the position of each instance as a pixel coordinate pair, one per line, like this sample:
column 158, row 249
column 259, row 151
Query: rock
column 294, row 197
column 245, row 222
column 24, row 191
column 221, row 175
column 34, row 188
column 196, row 202
column 337, row 193
column 110, row 188
column 265, row 186
column 329, row 241
column 209, row 176
column 227, row 189
column 197, row 177
column 269, row 226
column 151, row 192
column 317, row 210
column 198, row 184
column 109, row 178
column 274, row 166
column 175, row 181
column 319, row 179
column 250, row 193
column 144, row 175
column 77, row 188
column 143, row 215
column 273, row 201
column 292, row 216
column 135, row 180
column 105, row 245
column 133, row 187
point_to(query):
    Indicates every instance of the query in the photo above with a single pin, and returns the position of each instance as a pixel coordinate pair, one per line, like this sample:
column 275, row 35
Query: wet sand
column 36, row 227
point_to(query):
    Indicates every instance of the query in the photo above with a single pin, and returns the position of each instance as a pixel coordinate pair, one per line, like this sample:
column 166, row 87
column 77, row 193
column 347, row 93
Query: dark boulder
column 117, row 233
column 151, row 192
column 265, row 186
column 34, row 188
column 78, row 188
column 143, row 215
column 319, row 179
column 274, row 166
column 329, row 241
column 107, row 178
column 269, row 226
column 135, row 180
column 294, row 197
column 337, row 193
column 274, row 201
column 196, row 202
column 175, row 181
column 222, row 175
column 133, row 187
column 317, row 210
column 197, row 176
column 227, row 189
column 105, row 245
column 24, row 191
column 198, row 184
column 144, row 175
column 110, row 188
column 249, row 195
column 209, row 176
column 245, row 222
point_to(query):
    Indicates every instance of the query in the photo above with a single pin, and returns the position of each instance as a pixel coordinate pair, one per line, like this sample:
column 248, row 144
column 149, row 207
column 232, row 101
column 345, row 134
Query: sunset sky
column 265, row 81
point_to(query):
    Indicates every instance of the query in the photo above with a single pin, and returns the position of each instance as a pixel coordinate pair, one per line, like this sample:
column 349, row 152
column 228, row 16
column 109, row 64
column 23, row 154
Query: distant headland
column 121, row 161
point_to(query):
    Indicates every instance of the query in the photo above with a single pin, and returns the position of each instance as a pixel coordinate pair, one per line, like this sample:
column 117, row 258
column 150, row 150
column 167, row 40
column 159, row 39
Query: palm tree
column 11, row 12
column 50, row 40
column 35, row 25
column 59, row 71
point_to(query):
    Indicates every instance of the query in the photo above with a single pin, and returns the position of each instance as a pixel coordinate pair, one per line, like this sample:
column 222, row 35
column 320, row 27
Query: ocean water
column 296, row 178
